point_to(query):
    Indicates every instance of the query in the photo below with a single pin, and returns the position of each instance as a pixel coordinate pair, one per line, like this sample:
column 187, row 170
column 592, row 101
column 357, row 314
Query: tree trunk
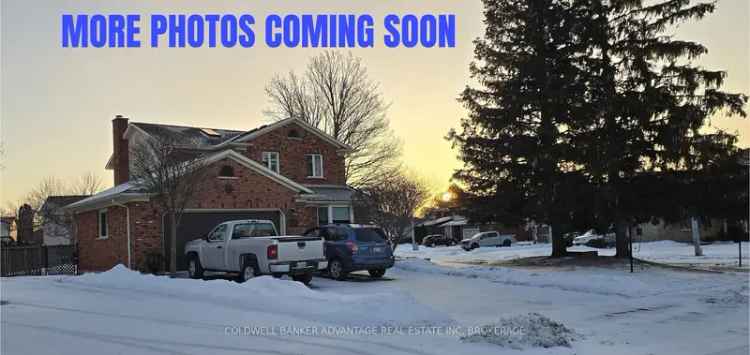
column 559, row 249
column 621, row 240
column 173, row 245
column 695, row 229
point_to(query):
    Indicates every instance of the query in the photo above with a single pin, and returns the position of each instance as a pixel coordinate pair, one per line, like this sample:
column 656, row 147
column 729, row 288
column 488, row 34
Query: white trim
column 257, row 167
column 127, row 230
column 312, row 163
column 278, row 160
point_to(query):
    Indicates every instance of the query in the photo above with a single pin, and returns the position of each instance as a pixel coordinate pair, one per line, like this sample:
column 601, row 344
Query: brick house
column 289, row 172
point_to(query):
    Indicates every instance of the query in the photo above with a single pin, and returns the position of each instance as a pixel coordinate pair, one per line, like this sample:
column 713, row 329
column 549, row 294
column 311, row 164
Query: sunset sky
column 58, row 103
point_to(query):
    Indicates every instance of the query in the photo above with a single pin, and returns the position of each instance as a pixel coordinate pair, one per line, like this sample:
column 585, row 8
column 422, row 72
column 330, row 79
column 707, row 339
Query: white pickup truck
column 252, row 248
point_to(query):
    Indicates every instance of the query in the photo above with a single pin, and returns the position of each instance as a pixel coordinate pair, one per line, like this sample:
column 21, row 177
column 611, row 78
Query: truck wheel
column 336, row 270
column 247, row 273
column 304, row 278
column 195, row 270
column 506, row 243
column 376, row 273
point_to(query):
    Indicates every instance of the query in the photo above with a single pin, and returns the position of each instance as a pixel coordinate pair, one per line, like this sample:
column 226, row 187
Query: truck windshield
column 369, row 235
column 253, row 230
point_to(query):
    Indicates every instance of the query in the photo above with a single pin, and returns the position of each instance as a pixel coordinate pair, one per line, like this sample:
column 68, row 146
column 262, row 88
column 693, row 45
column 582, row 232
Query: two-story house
column 289, row 172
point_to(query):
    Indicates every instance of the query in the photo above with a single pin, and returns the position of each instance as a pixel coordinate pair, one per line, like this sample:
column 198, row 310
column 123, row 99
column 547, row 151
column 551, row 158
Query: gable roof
column 258, row 168
column 250, row 135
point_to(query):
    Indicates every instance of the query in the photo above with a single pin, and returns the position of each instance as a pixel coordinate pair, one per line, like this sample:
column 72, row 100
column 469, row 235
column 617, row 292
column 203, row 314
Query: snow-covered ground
column 420, row 308
column 724, row 254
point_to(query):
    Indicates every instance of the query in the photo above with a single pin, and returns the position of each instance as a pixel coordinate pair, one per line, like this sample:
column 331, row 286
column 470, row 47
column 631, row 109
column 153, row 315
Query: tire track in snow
column 139, row 342
column 221, row 328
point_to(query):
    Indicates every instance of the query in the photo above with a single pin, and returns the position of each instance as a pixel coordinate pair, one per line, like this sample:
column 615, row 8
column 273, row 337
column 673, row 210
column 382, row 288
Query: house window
column 226, row 171
column 271, row 160
column 103, row 228
column 293, row 133
column 334, row 214
column 315, row 165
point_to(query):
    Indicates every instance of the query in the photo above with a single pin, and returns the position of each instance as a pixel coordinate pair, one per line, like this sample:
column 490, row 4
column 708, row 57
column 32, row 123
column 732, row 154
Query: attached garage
column 195, row 224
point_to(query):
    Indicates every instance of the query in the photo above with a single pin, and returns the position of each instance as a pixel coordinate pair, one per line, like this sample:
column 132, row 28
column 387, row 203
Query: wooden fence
column 38, row 260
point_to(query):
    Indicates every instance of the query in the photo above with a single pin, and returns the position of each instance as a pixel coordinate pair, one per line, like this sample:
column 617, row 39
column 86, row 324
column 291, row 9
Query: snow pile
column 530, row 330
column 275, row 296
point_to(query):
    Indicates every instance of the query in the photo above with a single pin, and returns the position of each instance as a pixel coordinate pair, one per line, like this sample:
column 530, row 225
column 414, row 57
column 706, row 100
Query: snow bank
column 530, row 330
column 275, row 296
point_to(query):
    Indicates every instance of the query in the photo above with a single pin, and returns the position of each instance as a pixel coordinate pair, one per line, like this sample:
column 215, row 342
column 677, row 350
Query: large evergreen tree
column 514, row 142
column 649, row 101
column 589, row 112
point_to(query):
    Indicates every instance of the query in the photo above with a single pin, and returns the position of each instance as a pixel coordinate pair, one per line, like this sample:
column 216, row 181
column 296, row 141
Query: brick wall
column 292, row 152
column 101, row 254
column 247, row 190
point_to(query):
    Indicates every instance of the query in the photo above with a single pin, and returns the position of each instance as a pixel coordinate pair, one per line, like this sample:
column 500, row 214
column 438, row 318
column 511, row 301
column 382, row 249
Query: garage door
column 195, row 225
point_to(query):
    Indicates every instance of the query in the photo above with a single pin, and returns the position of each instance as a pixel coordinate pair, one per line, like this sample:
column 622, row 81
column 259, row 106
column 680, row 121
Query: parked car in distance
column 488, row 239
column 595, row 240
column 569, row 237
column 437, row 239
column 354, row 247
column 586, row 237
column 252, row 248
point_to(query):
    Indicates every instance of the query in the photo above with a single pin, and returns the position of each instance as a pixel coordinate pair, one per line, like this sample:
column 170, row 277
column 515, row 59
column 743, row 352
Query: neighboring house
column 681, row 232
column 7, row 229
column 289, row 172
column 57, row 225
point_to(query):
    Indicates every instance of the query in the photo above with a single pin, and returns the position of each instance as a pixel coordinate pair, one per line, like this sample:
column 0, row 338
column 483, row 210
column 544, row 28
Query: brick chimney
column 120, row 156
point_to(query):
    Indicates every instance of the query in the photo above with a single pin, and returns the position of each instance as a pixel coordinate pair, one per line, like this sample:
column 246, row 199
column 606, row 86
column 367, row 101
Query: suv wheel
column 195, row 270
column 376, row 273
column 506, row 243
column 336, row 270
column 474, row 246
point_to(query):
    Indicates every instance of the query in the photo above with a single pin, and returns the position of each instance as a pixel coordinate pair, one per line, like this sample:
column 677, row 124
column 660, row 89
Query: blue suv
column 354, row 247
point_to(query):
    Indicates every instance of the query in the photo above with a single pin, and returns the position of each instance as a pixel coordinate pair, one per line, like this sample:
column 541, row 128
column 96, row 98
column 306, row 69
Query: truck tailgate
column 300, row 248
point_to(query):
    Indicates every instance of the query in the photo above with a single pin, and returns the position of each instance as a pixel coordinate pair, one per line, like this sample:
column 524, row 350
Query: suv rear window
column 369, row 235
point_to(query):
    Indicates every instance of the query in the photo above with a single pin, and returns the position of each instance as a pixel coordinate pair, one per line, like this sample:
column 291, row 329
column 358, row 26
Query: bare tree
column 393, row 202
column 9, row 209
column 336, row 95
column 87, row 184
column 172, row 174
column 49, row 186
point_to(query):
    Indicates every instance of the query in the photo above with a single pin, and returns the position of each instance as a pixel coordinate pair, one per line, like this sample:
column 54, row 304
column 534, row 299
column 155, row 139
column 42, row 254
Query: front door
column 214, row 249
